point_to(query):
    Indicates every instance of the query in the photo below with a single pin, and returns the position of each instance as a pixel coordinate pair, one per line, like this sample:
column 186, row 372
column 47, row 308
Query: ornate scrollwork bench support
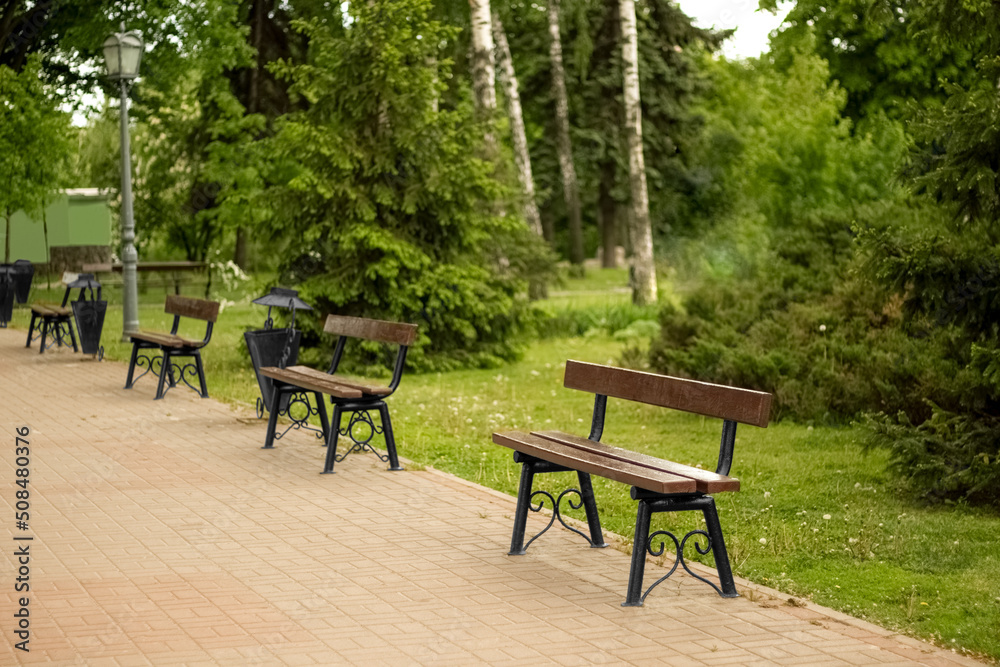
column 651, row 503
column 532, row 466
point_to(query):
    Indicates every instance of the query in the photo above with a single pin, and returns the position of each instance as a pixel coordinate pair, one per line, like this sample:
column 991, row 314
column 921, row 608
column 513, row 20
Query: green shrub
column 607, row 318
column 948, row 456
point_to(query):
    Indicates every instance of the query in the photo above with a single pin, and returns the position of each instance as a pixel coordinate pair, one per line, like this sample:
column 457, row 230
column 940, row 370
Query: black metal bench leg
column 272, row 417
column 590, row 505
column 390, row 439
column 324, row 422
column 331, row 443
column 72, row 337
column 31, row 328
column 633, row 598
column 45, row 331
column 131, row 364
column 164, row 372
column 521, row 513
column 201, row 374
column 719, row 550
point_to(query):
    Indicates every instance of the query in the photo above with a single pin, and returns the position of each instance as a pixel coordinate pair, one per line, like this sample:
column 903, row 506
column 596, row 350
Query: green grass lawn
column 817, row 517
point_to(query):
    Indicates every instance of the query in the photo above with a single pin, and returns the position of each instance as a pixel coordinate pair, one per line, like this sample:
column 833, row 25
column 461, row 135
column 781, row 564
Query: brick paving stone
column 166, row 536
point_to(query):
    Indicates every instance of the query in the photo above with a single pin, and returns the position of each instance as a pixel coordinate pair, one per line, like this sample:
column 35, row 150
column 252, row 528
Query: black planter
column 267, row 348
column 89, row 316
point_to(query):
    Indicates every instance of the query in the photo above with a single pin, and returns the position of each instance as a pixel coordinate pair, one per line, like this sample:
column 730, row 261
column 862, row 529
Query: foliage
column 773, row 310
column 387, row 210
column 58, row 37
column 670, row 50
column 948, row 456
column 35, row 142
column 871, row 51
column 778, row 146
column 610, row 319
column 945, row 277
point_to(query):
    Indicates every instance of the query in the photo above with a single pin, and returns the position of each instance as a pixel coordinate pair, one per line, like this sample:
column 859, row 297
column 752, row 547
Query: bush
column 948, row 456
column 612, row 319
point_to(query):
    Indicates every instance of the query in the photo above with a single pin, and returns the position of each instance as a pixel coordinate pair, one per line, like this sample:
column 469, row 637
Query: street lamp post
column 122, row 52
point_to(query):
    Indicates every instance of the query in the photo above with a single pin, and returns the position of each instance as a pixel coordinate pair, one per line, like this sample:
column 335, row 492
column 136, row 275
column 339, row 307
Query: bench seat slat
column 706, row 480
column 595, row 463
column 169, row 340
column 316, row 381
column 50, row 310
column 366, row 387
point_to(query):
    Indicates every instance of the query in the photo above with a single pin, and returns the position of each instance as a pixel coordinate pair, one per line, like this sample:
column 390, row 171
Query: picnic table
column 175, row 273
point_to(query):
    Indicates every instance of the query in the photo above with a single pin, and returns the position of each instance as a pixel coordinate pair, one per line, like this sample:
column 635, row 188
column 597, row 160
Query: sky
column 752, row 26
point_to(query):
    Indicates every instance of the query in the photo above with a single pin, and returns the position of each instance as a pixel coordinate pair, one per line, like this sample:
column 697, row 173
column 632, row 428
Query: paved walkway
column 163, row 535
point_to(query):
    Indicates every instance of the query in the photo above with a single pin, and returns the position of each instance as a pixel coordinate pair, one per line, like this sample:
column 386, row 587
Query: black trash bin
column 23, row 272
column 89, row 314
column 274, row 347
column 6, row 295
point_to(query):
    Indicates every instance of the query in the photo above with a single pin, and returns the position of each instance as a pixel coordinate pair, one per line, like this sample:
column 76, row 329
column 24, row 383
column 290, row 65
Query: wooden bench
column 659, row 485
column 356, row 396
column 57, row 320
column 51, row 319
column 173, row 345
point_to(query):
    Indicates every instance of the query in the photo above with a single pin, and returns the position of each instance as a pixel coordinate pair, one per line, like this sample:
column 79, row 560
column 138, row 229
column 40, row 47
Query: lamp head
column 122, row 53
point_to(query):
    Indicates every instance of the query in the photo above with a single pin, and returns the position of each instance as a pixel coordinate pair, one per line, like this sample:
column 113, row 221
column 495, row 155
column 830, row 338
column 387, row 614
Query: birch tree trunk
column 483, row 68
column 644, row 269
column 508, row 79
column 571, row 191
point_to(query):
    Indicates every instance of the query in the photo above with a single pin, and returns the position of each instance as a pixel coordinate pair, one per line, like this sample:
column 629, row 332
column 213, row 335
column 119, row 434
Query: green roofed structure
column 75, row 229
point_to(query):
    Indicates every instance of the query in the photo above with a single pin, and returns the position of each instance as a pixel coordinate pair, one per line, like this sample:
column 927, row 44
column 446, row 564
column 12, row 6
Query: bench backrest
column 185, row 306
column 712, row 400
column 382, row 331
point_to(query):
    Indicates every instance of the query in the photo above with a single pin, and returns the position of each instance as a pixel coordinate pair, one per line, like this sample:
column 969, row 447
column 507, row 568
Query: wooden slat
column 310, row 383
column 186, row 306
column 363, row 385
column 50, row 310
column 166, row 339
column 156, row 337
column 382, row 331
column 707, row 481
column 712, row 400
column 595, row 464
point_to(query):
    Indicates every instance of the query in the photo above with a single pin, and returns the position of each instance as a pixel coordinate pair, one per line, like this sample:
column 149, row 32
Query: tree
column 671, row 78
column 271, row 38
column 571, row 191
column 522, row 158
column 483, row 64
column 945, row 276
column 192, row 131
column 389, row 210
column 641, row 235
column 872, row 52
column 35, row 141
